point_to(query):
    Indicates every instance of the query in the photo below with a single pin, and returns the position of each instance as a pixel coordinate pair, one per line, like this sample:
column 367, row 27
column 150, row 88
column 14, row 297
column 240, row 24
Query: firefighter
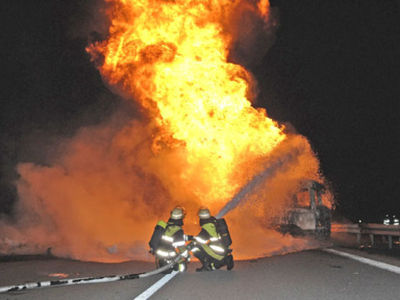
column 169, row 240
column 210, row 248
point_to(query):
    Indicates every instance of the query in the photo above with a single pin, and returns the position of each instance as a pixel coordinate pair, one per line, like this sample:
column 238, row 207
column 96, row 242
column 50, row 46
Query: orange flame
column 172, row 57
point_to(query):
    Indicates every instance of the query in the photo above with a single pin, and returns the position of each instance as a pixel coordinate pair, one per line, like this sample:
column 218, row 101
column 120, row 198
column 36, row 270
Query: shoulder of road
column 391, row 257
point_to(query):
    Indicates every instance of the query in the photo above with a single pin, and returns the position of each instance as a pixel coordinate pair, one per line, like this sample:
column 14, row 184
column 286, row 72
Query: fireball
column 172, row 57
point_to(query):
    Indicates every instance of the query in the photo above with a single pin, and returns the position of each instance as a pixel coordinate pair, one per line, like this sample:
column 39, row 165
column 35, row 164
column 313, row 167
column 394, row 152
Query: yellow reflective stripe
column 177, row 244
column 167, row 238
column 162, row 253
column 172, row 253
column 217, row 248
column 210, row 252
column 200, row 240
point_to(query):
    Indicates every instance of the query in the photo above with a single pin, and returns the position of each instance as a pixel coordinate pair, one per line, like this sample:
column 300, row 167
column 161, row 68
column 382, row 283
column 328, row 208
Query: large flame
column 200, row 143
column 172, row 56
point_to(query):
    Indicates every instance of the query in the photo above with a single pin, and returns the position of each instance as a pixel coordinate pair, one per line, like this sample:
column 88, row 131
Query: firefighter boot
column 205, row 267
column 229, row 262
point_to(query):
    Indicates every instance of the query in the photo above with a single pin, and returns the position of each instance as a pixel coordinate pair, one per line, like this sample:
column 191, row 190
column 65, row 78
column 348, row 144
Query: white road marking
column 156, row 286
column 367, row 261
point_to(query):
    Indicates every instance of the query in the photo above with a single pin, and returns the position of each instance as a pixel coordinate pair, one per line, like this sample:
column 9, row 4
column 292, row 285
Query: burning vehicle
column 308, row 215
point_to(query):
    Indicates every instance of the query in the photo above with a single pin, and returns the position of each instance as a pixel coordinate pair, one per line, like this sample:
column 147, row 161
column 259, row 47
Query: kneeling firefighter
column 212, row 243
column 168, row 240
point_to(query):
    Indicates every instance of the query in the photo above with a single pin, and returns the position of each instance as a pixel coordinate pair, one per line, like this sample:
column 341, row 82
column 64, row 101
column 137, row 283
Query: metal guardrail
column 372, row 230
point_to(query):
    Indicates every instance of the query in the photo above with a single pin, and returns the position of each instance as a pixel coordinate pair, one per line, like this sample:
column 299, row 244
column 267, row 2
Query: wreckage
column 307, row 215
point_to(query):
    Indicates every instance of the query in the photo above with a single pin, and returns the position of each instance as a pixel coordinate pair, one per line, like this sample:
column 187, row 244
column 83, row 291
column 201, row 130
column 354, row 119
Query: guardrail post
column 371, row 237
column 390, row 242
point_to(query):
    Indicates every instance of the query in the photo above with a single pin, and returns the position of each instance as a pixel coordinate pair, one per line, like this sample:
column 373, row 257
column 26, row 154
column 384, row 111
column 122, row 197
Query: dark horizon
column 332, row 73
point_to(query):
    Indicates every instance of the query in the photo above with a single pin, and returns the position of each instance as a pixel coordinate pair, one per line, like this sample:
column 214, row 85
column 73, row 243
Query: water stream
column 240, row 197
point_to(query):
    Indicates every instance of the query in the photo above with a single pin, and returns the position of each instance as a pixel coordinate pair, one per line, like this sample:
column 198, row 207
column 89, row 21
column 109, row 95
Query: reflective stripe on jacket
column 210, row 241
column 172, row 238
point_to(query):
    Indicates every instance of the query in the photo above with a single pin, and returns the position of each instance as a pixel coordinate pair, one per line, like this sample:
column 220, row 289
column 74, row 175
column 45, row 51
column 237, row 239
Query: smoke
column 253, row 34
column 89, row 20
column 90, row 197
column 99, row 200
column 99, row 194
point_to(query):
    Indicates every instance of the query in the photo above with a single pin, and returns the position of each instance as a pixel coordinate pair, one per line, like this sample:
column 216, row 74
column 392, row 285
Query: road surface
column 312, row 274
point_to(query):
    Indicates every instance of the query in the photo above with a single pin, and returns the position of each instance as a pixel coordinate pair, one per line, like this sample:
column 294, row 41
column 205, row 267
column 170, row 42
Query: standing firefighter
column 212, row 243
column 168, row 240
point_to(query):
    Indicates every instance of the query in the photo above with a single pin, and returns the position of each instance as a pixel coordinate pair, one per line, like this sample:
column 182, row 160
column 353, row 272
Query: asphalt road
column 310, row 274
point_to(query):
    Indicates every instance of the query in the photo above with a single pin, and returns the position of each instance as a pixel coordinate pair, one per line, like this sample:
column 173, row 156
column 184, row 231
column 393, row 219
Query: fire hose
column 84, row 280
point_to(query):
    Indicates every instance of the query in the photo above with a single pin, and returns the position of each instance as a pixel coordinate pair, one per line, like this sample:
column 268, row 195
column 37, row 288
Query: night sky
column 333, row 72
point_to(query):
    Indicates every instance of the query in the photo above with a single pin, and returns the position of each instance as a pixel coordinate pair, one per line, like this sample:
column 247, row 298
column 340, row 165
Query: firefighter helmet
column 204, row 213
column 178, row 213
